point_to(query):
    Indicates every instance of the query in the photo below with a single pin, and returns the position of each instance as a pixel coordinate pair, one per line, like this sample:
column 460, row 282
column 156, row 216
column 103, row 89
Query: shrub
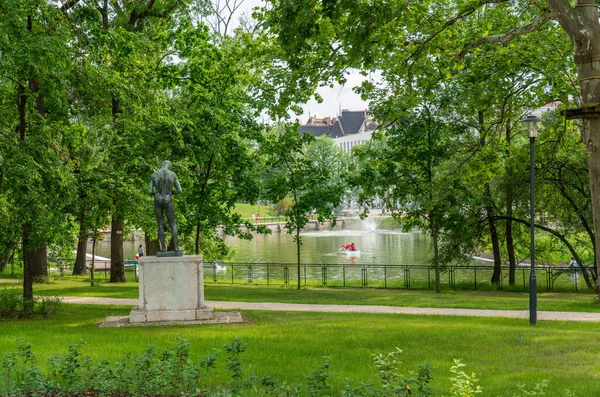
column 13, row 306
column 171, row 372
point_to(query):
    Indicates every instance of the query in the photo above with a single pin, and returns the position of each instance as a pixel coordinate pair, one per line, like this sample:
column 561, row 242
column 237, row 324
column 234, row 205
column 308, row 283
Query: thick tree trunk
column 582, row 25
column 592, row 136
column 80, row 259
column 35, row 263
column 117, row 263
column 152, row 246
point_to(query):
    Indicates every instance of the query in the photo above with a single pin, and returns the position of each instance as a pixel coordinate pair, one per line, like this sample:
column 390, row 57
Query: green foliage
column 283, row 206
column 234, row 351
column 311, row 180
column 171, row 372
column 13, row 305
column 395, row 384
column 537, row 391
column 463, row 384
column 316, row 382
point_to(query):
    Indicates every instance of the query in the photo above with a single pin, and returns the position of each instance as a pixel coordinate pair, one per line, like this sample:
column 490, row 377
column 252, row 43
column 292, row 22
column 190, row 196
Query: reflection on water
column 320, row 247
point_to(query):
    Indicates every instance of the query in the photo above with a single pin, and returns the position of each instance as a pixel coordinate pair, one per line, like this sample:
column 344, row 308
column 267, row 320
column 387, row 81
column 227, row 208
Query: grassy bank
column 503, row 352
column 584, row 302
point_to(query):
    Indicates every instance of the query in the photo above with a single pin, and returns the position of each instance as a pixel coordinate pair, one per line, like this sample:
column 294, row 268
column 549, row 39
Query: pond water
column 382, row 246
column 379, row 246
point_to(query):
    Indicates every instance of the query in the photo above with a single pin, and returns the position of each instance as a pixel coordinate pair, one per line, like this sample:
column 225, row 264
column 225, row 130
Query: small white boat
column 349, row 252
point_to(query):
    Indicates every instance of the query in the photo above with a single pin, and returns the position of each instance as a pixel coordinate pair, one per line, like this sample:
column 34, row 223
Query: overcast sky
column 333, row 98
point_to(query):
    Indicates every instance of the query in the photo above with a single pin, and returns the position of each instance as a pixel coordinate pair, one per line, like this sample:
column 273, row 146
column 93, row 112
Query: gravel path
column 301, row 307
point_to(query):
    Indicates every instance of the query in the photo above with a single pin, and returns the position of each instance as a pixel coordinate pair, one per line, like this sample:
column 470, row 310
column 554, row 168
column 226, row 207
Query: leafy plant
column 463, row 385
column 12, row 305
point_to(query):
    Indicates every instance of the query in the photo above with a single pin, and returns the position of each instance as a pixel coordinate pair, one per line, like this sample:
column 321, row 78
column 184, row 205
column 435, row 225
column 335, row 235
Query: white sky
column 333, row 98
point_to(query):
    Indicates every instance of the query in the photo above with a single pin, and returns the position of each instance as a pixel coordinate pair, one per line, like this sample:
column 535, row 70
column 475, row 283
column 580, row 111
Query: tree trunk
column 436, row 256
column 298, row 244
column 117, row 264
column 582, row 25
column 35, row 263
column 497, row 275
column 93, row 268
column 567, row 244
column 489, row 209
column 510, row 245
column 593, row 144
column 80, row 259
column 151, row 245
column 197, row 243
column 4, row 260
column 510, row 248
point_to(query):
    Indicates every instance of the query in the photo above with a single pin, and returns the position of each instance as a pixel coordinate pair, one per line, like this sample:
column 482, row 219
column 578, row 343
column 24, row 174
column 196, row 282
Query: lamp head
column 531, row 122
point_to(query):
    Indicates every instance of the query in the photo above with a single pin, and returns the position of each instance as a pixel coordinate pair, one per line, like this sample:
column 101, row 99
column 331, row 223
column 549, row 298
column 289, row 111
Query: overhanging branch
column 457, row 17
column 540, row 20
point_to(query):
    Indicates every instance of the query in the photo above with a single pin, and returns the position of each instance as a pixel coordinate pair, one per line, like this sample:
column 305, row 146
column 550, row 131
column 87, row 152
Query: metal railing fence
column 478, row 277
column 549, row 278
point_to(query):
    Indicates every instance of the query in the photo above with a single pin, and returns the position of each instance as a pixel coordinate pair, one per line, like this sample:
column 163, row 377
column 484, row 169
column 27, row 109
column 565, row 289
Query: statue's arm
column 177, row 186
column 150, row 191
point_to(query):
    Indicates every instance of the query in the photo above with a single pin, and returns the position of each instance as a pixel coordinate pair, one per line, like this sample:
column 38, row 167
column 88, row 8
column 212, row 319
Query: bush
column 13, row 306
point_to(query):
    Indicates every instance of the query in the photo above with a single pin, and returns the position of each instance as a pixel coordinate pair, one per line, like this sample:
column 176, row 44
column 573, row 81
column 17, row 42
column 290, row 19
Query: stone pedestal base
column 171, row 289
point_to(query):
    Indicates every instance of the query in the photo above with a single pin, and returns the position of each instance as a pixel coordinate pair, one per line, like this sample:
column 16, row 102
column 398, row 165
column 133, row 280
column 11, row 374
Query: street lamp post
column 531, row 122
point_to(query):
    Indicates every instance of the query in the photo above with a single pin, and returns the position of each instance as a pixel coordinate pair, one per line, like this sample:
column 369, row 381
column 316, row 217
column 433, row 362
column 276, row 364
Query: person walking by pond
column 575, row 267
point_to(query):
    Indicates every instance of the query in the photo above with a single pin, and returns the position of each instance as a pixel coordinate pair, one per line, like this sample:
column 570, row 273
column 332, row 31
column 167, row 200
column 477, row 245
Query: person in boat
column 352, row 247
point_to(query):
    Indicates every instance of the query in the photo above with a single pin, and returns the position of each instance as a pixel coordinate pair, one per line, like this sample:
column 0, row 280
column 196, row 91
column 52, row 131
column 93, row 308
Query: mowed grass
column 500, row 300
column 287, row 346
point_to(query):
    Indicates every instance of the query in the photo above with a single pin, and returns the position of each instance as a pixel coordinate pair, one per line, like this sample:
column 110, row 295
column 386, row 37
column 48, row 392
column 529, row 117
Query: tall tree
column 406, row 168
column 324, row 39
column 311, row 185
column 126, row 39
column 36, row 61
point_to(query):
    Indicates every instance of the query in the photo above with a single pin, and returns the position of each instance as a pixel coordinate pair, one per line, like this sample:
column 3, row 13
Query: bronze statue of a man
column 163, row 185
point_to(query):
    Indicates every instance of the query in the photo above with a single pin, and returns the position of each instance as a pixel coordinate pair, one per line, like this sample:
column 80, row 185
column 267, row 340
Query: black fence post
column 389, row 270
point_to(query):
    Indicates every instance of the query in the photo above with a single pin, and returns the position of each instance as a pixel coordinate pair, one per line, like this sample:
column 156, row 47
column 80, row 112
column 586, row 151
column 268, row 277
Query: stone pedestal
column 171, row 290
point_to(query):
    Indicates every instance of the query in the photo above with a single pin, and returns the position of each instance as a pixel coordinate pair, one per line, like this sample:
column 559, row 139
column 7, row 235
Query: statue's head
column 166, row 164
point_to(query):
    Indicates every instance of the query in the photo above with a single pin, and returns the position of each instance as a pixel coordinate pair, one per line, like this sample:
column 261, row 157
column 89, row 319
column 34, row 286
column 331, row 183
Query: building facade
column 350, row 128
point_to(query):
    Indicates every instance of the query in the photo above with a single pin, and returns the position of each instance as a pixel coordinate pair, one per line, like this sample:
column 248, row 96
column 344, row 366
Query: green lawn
column 584, row 302
column 503, row 352
column 246, row 210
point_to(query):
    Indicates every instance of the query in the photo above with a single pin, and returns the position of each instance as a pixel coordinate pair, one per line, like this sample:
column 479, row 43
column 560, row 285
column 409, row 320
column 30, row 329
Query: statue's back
column 164, row 180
